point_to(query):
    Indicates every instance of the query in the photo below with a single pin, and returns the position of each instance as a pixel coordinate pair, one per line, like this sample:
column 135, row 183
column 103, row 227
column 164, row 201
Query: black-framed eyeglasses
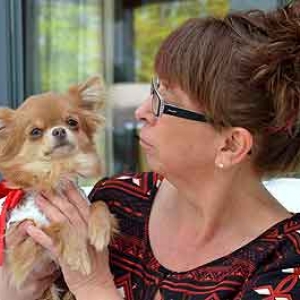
column 160, row 106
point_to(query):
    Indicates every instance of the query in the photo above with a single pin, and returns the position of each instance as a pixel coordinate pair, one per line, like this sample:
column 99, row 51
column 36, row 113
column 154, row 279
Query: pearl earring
column 221, row 166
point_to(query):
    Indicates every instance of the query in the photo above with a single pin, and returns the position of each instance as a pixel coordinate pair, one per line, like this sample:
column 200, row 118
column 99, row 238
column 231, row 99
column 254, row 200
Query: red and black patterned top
column 266, row 268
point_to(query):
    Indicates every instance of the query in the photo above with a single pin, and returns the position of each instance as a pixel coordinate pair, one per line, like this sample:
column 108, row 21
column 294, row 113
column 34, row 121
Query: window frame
column 11, row 54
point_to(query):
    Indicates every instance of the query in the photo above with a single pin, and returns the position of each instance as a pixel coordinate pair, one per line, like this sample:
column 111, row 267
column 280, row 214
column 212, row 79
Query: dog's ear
column 90, row 94
column 6, row 118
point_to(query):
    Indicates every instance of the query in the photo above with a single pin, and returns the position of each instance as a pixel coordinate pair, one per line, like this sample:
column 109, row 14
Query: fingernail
column 25, row 224
column 30, row 228
column 68, row 183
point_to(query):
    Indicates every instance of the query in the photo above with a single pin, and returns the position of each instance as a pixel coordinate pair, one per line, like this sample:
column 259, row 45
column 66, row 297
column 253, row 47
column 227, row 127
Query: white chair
column 287, row 191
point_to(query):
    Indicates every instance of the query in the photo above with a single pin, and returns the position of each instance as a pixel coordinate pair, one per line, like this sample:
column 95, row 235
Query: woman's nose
column 144, row 112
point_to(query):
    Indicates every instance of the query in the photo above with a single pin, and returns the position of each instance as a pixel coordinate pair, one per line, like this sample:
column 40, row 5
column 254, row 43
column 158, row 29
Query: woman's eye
column 36, row 132
column 72, row 123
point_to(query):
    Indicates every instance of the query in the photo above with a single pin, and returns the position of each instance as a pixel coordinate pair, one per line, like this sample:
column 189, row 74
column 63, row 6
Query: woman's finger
column 42, row 238
column 66, row 207
column 17, row 233
column 77, row 199
column 52, row 212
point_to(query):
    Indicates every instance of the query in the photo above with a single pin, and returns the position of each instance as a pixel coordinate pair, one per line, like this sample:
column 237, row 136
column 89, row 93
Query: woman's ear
column 235, row 146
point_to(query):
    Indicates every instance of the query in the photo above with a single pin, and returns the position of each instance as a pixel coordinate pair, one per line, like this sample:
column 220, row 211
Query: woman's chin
column 153, row 164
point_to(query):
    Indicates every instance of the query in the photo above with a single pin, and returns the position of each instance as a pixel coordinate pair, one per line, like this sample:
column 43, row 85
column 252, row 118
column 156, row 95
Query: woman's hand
column 36, row 283
column 73, row 209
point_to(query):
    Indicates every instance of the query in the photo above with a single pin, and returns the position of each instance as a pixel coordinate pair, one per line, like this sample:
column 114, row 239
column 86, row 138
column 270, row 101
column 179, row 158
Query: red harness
column 13, row 197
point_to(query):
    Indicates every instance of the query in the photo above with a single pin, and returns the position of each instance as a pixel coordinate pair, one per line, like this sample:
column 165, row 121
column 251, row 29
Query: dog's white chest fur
column 27, row 209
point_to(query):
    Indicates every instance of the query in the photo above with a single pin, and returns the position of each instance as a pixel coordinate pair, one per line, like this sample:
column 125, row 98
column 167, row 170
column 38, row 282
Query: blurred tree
column 69, row 43
column 153, row 22
column 69, row 36
column 218, row 8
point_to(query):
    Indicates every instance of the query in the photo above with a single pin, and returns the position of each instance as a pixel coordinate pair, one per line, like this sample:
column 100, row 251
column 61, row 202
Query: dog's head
column 51, row 135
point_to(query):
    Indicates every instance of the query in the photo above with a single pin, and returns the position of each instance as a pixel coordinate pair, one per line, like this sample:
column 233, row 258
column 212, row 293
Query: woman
column 223, row 114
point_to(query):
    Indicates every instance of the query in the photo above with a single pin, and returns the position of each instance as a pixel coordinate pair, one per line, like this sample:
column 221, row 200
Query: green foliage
column 69, row 36
column 68, row 43
column 153, row 22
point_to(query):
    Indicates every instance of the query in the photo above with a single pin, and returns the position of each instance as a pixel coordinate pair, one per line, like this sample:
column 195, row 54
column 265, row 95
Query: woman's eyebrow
column 167, row 91
column 168, row 95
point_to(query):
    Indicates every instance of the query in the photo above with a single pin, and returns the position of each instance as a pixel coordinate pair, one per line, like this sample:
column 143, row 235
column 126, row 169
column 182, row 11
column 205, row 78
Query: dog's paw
column 102, row 226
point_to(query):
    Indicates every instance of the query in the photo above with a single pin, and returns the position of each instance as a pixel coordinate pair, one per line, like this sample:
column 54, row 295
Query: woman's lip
column 144, row 143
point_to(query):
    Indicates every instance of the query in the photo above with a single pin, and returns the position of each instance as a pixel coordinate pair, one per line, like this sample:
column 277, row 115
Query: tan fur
column 46, row 111
column 36, row 164
column 71, row 247
column 102, row 226
column 23, row 258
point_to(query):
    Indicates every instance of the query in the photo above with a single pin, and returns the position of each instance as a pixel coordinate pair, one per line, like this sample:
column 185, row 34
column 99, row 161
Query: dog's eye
column 72, row 123
column 36, row 132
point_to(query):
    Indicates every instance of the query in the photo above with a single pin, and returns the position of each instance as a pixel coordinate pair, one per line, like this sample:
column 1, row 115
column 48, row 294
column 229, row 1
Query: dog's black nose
column 59, row 132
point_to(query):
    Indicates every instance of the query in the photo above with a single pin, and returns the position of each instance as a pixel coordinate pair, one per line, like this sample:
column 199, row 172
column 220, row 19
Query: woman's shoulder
column 127, row 193
column 277, row 247
column 283, row 240
column 275, row 257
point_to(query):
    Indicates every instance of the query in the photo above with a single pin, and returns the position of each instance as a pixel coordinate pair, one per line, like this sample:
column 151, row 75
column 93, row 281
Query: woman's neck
column 192, row 224
column 209, row 210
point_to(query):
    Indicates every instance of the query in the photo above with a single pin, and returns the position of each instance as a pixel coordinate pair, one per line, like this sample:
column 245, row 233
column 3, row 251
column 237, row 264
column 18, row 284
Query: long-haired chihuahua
column 48, row 137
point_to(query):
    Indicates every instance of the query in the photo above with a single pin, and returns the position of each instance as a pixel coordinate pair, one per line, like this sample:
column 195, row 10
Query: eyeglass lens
column 156, row 101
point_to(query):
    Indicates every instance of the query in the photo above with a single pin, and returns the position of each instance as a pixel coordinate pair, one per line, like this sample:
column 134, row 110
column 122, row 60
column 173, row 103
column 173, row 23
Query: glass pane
column 153, row 22
column 254, row 4
column 66, row 42
column 63, row 45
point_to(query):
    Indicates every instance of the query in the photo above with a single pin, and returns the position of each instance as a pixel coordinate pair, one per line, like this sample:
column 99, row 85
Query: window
column 63, row 43
column 55, row 43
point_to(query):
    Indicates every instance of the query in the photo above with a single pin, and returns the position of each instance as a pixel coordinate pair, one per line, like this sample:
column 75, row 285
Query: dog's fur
column 47, row 137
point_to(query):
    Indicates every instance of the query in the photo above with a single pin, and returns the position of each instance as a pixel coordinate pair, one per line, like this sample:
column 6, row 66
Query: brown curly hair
column 244, row 70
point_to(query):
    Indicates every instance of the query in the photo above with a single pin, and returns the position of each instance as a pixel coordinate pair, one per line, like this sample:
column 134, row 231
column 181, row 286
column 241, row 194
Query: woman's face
column 174, row 145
